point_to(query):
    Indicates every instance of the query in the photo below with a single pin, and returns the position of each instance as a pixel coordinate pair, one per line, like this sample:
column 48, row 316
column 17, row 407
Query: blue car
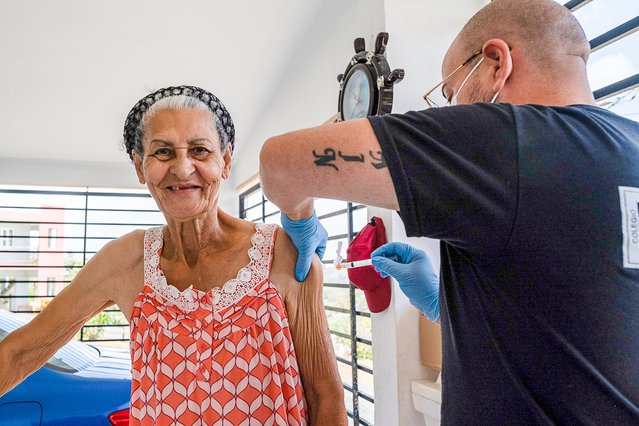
column 80, row 385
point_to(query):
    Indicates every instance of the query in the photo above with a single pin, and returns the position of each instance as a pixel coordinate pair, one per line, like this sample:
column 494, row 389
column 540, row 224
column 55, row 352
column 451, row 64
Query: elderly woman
column 221, row 332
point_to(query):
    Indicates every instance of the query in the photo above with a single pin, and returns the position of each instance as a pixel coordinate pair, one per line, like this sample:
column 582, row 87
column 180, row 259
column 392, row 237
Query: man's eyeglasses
column 436, row 98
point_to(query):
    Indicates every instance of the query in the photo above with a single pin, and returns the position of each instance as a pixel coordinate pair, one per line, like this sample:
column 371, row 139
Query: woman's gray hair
column 179, row 98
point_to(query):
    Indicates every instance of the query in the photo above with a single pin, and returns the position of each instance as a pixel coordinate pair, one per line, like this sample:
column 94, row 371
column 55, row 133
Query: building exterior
column 31, row 257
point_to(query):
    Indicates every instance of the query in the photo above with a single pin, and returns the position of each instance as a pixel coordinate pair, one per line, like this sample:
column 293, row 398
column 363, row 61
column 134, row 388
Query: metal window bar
column 350, row 364
column 83, row 223
column 576, row 4
column 16, row 203
column 347, row 311
column 617, row 88
column 617, row 33
column 352, row 337
column 603, row 40
column 362, row 394
column 69, row 209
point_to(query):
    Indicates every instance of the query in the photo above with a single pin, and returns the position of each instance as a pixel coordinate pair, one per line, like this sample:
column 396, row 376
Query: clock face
column 357, row 97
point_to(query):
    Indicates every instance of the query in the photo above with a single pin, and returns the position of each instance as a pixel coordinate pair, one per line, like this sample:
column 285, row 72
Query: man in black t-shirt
column 535, row 199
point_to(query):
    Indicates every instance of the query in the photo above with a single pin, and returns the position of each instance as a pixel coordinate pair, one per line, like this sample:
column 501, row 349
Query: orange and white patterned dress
column 222, row 357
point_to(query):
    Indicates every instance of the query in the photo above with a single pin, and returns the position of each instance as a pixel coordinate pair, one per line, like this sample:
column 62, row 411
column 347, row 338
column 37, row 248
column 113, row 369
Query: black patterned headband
column 224, row 122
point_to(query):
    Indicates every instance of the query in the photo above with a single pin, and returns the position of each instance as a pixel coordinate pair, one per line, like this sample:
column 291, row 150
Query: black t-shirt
column 536, row 208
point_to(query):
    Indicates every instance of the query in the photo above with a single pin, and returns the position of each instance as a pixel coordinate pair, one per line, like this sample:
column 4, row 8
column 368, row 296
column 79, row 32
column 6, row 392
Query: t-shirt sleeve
column 455, row 172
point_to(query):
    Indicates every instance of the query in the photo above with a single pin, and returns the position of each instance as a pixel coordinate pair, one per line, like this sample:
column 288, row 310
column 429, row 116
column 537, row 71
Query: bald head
column 543, row 29
column 533, row 51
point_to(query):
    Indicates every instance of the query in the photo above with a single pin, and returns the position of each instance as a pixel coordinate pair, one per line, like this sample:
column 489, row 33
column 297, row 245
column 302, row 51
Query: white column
column 396, row 342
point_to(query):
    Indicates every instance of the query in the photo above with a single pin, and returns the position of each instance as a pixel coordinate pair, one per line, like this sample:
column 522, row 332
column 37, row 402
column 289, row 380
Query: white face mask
column 453, row 99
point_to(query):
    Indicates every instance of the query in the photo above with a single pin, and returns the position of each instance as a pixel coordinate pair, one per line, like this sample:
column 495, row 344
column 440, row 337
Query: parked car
column 80, row 385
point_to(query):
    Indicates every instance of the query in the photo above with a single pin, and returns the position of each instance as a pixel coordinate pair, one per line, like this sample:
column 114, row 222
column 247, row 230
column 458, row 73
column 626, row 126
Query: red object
column 376, row 289
column 119, row 418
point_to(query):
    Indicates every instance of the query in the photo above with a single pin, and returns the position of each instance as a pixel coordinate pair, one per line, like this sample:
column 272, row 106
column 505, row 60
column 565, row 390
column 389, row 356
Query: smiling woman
column 182, row 159
column 220, row 329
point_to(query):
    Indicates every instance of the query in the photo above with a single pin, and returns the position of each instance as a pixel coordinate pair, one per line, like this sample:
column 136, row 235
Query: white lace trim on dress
column 233, row 290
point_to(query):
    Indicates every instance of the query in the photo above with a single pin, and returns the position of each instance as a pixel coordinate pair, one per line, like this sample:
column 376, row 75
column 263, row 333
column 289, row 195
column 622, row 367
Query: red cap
column 376, row 289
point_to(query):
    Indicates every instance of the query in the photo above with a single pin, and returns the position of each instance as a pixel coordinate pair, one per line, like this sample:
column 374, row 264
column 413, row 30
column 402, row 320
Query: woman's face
column 182, row 164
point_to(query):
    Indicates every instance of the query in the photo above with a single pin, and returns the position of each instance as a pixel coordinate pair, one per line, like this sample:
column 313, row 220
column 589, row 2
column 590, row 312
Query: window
column 53, row 234
column 6, row 284
column 6, row 237
column 348, row 316
column 74, row 223
column 613, row 68
column 51, row 286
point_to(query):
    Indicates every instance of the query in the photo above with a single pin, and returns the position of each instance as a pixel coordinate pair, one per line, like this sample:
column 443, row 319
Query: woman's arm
column 309, row 328
column 29, row 347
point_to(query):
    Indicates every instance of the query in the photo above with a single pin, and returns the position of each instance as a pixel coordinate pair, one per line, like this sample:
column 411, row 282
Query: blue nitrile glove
column 414, row 273
column 309, row 237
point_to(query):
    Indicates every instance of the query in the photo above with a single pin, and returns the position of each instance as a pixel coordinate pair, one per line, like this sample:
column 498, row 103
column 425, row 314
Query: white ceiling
column 71, row 69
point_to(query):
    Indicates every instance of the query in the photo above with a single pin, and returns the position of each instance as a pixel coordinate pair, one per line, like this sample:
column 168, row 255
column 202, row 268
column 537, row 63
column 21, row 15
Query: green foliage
column 364, row 352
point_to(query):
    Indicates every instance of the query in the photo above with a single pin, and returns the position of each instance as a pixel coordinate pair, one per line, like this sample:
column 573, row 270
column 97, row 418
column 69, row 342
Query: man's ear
column 137, row 161
column 227, row 157
column 497, row 54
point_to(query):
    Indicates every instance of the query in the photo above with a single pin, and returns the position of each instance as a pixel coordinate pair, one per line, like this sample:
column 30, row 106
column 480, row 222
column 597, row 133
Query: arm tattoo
column 325, row 160
column 329, row 157
column 380, row 158
column 358, row 158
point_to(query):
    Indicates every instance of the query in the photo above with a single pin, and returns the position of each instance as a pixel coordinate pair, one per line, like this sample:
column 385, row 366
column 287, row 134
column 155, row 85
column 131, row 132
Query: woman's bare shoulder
column 128, row 248
column 118, row 268
column 242, row 226
column 119, row 261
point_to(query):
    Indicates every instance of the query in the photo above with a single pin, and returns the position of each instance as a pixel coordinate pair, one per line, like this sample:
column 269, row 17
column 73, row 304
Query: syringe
column 352, row 264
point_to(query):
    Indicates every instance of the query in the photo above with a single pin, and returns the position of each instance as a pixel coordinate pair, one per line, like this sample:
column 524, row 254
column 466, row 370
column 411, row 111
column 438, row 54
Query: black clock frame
column 381, row 78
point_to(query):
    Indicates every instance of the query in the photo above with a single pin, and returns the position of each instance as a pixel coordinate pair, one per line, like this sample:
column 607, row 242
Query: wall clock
column 366, row 86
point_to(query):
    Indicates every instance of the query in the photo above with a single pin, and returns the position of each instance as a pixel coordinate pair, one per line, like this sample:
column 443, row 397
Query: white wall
column 396, row 343
column 306, row 94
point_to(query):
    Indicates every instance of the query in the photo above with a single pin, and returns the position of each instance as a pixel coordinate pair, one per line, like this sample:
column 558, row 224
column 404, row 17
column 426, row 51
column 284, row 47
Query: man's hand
column 309, row 237
column 414, row 273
